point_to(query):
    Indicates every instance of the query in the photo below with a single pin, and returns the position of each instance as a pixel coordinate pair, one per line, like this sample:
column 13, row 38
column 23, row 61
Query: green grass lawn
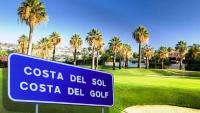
column 132, row 87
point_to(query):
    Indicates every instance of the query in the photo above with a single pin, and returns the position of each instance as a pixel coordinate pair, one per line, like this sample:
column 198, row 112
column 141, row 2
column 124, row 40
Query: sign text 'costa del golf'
column 31, row 79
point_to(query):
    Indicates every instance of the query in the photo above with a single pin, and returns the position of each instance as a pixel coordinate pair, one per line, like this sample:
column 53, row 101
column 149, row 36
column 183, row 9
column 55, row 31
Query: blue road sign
column 36, row 80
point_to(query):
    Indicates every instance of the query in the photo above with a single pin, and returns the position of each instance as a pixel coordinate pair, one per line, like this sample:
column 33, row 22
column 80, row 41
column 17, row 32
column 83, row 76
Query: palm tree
column 23, row 44
column 92, row 38
column 44, row 46
column 128, row 56
column 123, row 54
column 120, row 54
column 128, row 53
column 194, row 51
column 76, row 42
column 148, row 54
column 192, row 58
column 98, row 49
column 32, row 13
column 141, row 36
column 163, row 54
column 55, row 40
column 181, row 47
column 35, row 49
column 114, row 45
column 170, row 49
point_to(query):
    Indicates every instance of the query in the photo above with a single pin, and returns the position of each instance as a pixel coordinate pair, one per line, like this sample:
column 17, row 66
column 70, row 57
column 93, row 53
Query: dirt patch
column 159, row 109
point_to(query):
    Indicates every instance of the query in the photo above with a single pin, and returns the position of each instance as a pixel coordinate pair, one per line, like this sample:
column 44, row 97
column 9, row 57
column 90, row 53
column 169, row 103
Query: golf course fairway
column 131, row 87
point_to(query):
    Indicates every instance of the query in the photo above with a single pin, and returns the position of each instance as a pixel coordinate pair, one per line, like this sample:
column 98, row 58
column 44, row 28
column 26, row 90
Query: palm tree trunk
column 114, row 60
column 123, row 62
column 97, row 61
column 75, row 56
column 162, row 64
column 120, row 63
column 93, row 58
column 54, row 51
column 29, row 52
column 146, row 63
column 181, row 64
column 126, row 62
column 84, row 61
column 140, row 56
column 23, row 50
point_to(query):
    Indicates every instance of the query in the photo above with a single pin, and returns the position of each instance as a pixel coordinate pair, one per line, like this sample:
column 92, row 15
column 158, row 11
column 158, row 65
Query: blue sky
column 168, row 21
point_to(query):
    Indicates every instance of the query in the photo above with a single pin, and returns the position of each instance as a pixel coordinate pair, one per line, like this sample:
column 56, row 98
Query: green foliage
column 106, row 56
column 135, row 55
column 170, row 49
column 4, row 53
column 85, row 53
column 193, row 58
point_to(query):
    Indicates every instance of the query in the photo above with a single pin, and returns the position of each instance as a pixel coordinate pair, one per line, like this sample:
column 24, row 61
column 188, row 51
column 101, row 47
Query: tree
column 141, row 36
column 129, row 54
column 106, row 56
column 170, row 49
column 23, row 44
column 120, row 55
column 76, row 42
column 135, row 55
column 44, row 46
column 4, row 53
column 32, row 13
column 35, row 49
column 181, row 47
column 193, row 58
column 85, row 54
column 98, row 49
column 92, row 38
column 123, row 54
column 55, row 40
column 126, row 53
column 194, row 51
column 114, row 45
column 148, row 54
column 163, row 54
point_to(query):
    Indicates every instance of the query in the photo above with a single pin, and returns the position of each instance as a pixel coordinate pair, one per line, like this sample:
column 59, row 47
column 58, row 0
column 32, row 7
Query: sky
column 168, row 21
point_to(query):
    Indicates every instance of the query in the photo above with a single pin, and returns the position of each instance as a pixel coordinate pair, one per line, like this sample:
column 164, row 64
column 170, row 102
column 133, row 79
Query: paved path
column 159, row 109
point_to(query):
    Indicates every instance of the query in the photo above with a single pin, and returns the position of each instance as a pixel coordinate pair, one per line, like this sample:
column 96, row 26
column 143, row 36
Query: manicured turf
column 132, row 87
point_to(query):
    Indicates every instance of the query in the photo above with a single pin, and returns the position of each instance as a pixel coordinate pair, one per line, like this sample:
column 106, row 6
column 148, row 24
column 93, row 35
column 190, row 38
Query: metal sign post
column 36, row 108
column 102, row 110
